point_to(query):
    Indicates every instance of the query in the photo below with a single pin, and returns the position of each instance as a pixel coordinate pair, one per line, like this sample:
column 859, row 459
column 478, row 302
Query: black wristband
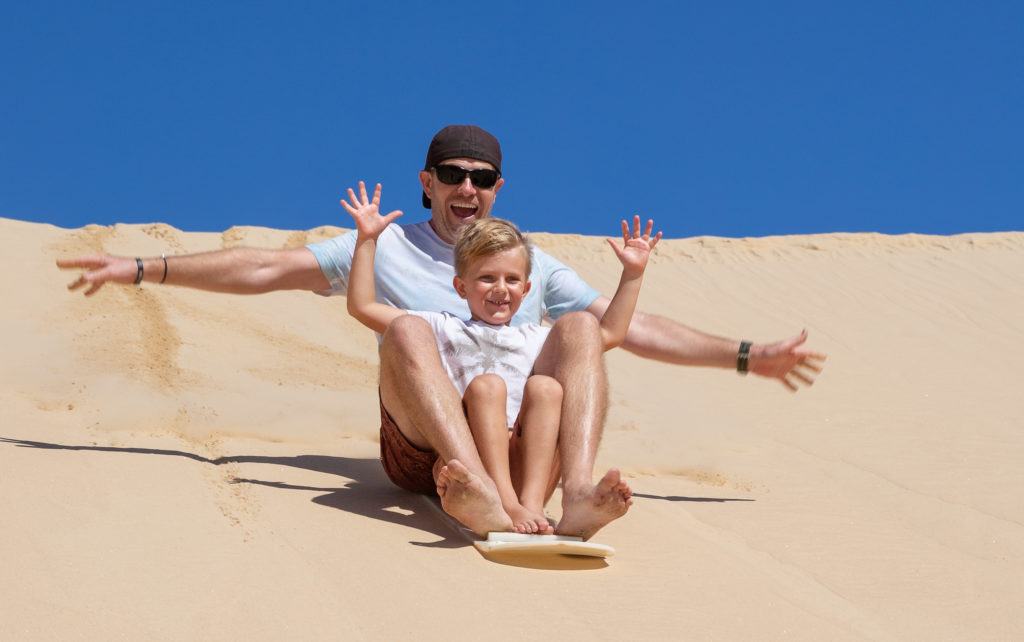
column 743, row 357
column 138, row 275
column 164, row 278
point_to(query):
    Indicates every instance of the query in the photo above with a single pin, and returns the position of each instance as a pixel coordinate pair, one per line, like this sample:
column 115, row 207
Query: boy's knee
column 486, row 386
column 543, row 387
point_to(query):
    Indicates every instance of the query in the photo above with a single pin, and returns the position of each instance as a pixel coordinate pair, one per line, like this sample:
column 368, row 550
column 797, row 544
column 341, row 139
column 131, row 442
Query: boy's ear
column 526, row 290
column 460, row 286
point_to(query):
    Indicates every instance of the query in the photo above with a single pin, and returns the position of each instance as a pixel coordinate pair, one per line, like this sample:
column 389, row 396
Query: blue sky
column 729, row 119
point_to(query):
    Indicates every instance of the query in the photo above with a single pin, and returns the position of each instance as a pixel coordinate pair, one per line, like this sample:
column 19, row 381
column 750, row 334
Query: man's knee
column 579, row 332
column 486, row 387
column 582, row 322
column 544, row 387
column 405, row 334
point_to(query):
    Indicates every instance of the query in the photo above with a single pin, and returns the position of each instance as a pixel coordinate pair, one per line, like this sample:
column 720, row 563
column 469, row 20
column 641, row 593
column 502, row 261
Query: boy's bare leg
column 485, row 408
column 573, row 355
column 534, row 445
column 427, row 409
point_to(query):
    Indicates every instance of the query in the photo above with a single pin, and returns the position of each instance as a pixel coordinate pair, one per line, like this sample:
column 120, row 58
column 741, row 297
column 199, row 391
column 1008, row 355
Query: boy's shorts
column 406, row 466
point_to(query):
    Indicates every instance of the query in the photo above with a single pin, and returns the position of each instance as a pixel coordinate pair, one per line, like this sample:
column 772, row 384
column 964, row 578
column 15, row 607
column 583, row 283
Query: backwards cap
column 462, row 141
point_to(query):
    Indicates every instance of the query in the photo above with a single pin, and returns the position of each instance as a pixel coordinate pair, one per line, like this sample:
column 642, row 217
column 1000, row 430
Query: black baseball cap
column 462, row 141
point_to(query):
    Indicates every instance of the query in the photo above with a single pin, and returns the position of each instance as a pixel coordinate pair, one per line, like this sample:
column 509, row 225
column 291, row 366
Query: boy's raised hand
column 636, row 247
column 369, row 221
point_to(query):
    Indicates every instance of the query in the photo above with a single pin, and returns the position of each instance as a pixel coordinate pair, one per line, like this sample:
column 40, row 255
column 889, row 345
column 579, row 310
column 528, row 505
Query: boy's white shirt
column 470, row 348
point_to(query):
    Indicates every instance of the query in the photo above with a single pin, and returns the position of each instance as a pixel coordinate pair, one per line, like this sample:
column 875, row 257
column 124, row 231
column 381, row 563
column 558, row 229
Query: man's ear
column 426, row 179
column 460, row 286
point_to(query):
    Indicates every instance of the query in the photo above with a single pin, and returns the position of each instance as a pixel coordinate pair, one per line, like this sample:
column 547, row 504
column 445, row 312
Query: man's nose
column 466, row 186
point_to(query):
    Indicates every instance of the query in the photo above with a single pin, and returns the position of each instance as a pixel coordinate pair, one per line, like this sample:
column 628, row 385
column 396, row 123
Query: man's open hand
column 366, row 213
column 99, row 270
column 787, row 361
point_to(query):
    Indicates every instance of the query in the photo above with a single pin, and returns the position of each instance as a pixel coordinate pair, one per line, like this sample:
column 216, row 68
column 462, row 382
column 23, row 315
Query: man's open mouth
column 463, row 210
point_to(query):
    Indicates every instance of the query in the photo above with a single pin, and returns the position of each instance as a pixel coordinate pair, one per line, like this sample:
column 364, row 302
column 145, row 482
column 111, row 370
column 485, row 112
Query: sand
column 180, row 465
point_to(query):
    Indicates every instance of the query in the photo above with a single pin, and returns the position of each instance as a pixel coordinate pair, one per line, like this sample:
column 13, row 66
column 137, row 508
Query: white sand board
column 542, row 544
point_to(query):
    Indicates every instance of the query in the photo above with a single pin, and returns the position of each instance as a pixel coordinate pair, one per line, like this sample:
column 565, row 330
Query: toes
column 609, row 481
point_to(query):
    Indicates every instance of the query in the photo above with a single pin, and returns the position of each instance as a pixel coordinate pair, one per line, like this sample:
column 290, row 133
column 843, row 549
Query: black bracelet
column 138, row 275
column 743, row 357
column 164, row 278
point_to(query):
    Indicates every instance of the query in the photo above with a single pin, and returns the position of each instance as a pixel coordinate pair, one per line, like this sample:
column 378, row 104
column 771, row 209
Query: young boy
column 489, row 361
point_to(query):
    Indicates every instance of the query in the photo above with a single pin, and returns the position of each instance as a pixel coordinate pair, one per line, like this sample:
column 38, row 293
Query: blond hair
column 486, row 237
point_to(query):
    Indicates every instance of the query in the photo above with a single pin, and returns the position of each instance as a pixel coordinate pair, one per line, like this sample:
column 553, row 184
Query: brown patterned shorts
column 406, row 466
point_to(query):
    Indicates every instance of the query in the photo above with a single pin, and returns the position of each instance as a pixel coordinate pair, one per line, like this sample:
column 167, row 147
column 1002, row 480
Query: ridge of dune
column 174, row 453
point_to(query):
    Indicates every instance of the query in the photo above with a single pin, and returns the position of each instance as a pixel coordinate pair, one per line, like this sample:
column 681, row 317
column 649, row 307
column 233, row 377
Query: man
column 421, row 412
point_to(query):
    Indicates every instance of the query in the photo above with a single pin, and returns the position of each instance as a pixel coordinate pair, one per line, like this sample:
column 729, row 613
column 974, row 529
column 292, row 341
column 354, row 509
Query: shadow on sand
column 369, row 493
column 680, row 498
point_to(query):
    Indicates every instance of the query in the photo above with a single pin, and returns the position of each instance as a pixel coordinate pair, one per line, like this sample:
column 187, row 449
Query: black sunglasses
column 454, row 175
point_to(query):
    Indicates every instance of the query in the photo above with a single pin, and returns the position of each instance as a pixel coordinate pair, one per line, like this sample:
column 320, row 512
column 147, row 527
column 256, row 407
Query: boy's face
column 494, row 286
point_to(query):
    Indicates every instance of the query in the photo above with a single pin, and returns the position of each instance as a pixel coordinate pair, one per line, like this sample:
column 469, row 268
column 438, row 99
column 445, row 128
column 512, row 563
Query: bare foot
column 587, row 511
column 525, row 520
column 468, row 499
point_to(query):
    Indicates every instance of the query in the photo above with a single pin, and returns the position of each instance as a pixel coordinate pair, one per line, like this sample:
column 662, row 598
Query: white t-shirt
column 414, row 268
column 471, row 348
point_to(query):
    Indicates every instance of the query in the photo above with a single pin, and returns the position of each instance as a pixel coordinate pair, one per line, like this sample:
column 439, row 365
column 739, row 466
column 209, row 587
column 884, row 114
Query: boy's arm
column 362, row 293
column 633, row 254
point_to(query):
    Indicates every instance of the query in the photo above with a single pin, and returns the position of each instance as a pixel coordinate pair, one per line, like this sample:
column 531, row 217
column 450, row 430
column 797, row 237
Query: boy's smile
column 494, row 286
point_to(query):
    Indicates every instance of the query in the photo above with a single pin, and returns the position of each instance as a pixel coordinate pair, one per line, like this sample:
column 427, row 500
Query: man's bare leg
column 426, row 407
column 485, row 408
column 573, row 355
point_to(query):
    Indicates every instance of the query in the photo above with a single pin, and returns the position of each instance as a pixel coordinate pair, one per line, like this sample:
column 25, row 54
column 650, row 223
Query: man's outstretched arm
column 238, row 270
column 655, row 337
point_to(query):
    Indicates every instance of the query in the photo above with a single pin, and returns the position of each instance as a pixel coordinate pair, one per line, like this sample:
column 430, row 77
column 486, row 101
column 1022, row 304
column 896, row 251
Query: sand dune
column 180, row 465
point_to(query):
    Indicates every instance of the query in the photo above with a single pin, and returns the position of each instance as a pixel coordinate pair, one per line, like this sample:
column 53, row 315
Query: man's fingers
column 801, row 376
column 77, row 283
column 362, row 194
column 649, row 228
column 93, row 287
column 636, row 226
column 392, row 216
column 795, row 341
column 87, row 262
column 348, row 208
column 810, row 365
column 789, row 384
column 625, row 231
column 654, row 241
column 376, row 194
column 816, row 356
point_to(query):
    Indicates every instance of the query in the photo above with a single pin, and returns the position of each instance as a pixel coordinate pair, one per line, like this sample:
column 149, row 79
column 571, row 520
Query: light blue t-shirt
column 414, row 268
